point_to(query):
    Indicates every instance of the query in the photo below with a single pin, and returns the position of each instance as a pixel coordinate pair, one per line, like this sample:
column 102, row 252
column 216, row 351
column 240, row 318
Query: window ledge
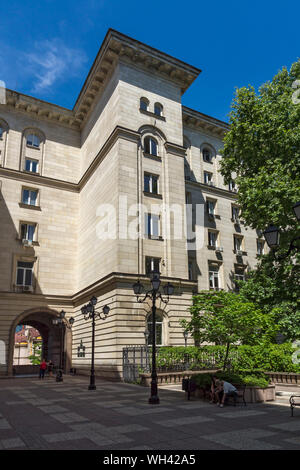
column 211, row 247
column 244, row 253
column 20, row 289
column 157, row 196
column 151, row 237
column 31, row 172
column 34, row 243
column 29, row 206
column 149, row 113
column 153, row 157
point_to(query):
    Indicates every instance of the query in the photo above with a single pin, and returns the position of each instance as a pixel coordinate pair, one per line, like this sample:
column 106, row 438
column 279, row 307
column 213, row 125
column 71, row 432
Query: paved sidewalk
column 49, row 415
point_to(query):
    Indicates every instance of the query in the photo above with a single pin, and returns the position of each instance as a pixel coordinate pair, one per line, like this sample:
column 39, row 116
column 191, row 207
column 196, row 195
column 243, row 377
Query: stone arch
column 41, row 318
column 32, row 152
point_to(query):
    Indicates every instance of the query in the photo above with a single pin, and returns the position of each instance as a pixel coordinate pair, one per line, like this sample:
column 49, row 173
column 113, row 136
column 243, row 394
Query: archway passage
column 52, row 340
column 28, row 346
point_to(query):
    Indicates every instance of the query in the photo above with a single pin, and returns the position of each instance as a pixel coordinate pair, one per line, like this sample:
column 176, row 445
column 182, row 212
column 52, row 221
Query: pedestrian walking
column 43, row 367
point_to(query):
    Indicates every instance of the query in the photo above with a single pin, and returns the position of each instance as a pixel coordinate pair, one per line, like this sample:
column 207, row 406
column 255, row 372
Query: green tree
column 262, row 154
column 36, row 357
column 227, row 318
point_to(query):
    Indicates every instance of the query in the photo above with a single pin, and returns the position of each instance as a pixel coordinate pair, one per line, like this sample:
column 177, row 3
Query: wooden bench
column 294, row 401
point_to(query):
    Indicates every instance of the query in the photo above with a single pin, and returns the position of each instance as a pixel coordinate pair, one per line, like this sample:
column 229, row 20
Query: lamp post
column 186, row 362
column 272, row 236
column 60, row 323
column 153, row 294
column 90, row 312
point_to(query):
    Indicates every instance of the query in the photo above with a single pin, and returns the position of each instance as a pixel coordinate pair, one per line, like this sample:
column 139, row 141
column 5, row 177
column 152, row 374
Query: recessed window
column 158, row 329
column 237, row 243
column 213, row 273
column 208, row 178
column 232, row 186
column 207, row 155
column 152, row 264
column 152, row 225
column 31, row 165
column 144, row 103
column 260, row 247
column 235, row 212
column 24, row 273
column 212, row 238
column 151, row 183
column 33, row 140
column 210, row 205
column 158, row 109
column 29, row 197
column 28, row 231
column 150, row 146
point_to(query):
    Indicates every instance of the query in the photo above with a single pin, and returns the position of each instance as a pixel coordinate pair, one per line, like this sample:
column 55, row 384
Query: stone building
column 128, row 142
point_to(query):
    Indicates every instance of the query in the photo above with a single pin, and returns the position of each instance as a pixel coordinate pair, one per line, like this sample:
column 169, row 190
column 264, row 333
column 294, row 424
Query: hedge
column 269, row 358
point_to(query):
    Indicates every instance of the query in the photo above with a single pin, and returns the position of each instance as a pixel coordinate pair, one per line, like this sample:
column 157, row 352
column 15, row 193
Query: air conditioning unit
column 27, row 288
column 219, row 248
column 210, row 183
column 239, row 253
column 26, row 242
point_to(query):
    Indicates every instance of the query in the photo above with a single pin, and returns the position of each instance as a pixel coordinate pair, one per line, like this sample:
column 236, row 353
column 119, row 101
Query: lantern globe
column 272, row 236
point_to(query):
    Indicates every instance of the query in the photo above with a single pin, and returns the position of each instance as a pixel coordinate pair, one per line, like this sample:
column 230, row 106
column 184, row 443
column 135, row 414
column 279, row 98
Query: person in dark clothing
column 50, row 368
column 43, row 367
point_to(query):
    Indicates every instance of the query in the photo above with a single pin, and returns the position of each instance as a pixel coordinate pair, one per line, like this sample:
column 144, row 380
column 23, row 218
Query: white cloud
column 51, row 62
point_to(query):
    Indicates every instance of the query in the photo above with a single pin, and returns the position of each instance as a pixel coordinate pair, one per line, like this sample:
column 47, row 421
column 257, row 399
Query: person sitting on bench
column 225, row 390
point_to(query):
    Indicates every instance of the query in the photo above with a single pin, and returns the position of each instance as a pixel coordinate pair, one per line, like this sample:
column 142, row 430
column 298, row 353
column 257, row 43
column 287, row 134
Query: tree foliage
column 227, row 318
column 262, row 154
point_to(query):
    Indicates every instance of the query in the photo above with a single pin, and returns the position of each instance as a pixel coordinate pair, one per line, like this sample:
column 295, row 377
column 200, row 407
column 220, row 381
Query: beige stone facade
column 128, row 127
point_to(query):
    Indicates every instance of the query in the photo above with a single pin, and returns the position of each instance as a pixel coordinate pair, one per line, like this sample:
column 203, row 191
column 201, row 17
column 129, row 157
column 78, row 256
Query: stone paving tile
column 288, row 426
column 15, row 402
column 249, row 439
column 131, row 411
column 4, row 424
column 69, row 417
column 241, row 414
column 53, row 409
column 170, row 423
column 11, row 443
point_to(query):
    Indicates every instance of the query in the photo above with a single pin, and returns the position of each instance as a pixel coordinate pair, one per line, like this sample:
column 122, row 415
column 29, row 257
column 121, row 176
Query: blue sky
column 48, row 47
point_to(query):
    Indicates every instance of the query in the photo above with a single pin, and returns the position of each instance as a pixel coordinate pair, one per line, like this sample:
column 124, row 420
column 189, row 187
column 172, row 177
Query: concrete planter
column 260, row 395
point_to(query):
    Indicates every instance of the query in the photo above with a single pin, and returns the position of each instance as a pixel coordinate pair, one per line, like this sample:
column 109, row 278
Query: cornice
column 202, row 122
column 175, row 149
column 214, row 190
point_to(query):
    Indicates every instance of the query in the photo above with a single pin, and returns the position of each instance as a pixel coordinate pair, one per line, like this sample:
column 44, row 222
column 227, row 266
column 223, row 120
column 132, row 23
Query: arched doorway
column 56, row 341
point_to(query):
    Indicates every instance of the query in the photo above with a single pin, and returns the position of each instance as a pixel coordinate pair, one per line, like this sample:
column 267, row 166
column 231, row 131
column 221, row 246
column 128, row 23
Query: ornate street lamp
column 153, row 294
column 272, row 236
column 89, row 312
column 61, row 324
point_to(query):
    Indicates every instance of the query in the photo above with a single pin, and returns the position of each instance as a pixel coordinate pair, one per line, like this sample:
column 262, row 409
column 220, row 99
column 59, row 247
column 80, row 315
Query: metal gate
column 135, row 360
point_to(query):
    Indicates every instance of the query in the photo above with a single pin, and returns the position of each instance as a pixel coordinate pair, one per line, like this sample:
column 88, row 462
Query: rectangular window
column 237, row 243
column 239, row 273
column 24, row 273
column 260, row 247
column 235, row 211
column 28, row 231
column 29, row 197
column 212, row 238
column 208, row 177
column 191, row 270
column 232, row 186
column 151, row 183
column 152, row 225
column 213, row 271
column 210, row 207
column 31, row 165
column 152, row 264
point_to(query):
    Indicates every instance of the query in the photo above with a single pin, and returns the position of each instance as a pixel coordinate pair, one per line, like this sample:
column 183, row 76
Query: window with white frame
column 28, row 231
column 212, row 238
column 213, row 272
column 33, row 140
column 207, row 155
column 150, row 146
column 237, row 243
column 31, row 165
column 152, row 264
column 239, row 273
column 152, row 225
column 208, row 177
column 151, row 183
column 24, row 273
column 260, row 247
column 210, row 205
column 158, row 109
column 235, row 212
column 144, row 103
column 29, row 197
column 158, row 329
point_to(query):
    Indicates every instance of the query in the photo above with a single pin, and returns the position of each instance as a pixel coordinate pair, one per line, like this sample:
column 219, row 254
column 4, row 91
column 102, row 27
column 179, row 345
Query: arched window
column 144, row 103
column 150, row 146
column 33, row 141
column 159, row 340
column 207, row 155
column 158, row 109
